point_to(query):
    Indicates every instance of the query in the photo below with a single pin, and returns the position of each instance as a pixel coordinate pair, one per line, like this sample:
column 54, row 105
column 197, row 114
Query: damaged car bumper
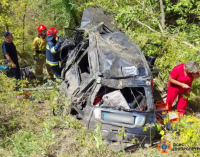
column 138, row 125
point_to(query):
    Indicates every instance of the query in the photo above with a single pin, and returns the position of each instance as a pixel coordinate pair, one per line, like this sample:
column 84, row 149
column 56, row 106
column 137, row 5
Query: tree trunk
column 163, row 14
column 24, row 17
column 6, row 27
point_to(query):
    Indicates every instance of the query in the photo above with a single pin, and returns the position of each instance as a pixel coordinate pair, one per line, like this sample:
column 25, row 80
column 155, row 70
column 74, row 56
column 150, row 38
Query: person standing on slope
column 39, row 48
column 51, row 52
column 10, row 55
column 180, row 82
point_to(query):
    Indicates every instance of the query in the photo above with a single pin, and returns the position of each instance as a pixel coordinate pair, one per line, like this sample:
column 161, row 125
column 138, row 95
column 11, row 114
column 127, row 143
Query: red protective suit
column 178, row 74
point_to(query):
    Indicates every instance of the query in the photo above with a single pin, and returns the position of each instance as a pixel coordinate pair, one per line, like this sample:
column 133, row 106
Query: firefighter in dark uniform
column 51, row 52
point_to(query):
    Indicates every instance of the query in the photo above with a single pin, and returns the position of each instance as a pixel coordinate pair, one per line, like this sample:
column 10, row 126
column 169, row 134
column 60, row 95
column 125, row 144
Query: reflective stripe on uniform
column 52, row 63
column 47, row 47
column 53, row 50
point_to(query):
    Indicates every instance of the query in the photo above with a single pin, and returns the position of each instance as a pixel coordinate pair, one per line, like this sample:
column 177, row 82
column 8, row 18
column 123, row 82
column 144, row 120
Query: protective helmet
column 52, row 31
column 40, row 28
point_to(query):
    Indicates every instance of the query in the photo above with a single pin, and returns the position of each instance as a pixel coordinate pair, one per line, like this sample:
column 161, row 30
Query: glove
column 60, row 39
column 35, row 57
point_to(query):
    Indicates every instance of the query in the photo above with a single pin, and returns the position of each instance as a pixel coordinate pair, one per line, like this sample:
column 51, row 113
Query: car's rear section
column 128, row 107
column 135, row 124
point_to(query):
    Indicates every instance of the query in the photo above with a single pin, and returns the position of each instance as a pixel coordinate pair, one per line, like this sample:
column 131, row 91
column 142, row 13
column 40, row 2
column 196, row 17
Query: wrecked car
column 107, row 80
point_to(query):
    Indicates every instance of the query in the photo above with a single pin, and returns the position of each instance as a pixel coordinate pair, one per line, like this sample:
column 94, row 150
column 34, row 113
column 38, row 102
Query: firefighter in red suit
column 180, row 81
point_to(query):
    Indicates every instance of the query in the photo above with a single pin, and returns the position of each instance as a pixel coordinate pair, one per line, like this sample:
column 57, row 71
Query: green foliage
column 58, row 11
column 121, row 133
column 188, row 128
column 186, row 133
column 26, row 143
column 98, row 136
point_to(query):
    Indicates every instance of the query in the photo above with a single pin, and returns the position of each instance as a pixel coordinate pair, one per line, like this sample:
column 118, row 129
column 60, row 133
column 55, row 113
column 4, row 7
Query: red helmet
column 40, row 28
column 52, row 31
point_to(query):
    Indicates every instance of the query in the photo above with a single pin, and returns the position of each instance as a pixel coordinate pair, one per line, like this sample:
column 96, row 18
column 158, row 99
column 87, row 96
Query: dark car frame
column 100, row 61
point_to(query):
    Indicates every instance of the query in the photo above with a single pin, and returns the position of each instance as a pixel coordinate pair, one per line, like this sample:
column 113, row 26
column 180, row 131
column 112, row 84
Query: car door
column 85, row 79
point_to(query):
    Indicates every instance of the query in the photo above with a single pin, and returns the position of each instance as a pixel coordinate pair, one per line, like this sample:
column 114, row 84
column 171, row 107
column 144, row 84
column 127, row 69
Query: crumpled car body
column 107, row 80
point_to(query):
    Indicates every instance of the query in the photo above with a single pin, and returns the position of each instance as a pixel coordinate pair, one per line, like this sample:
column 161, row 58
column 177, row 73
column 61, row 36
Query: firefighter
column 10, row 55
column 39, row 47
column 53, row 44
column 180, row 81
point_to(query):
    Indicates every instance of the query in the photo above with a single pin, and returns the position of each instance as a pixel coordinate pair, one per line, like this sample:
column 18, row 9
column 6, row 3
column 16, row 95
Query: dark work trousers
column 16, row 72
column 56, row 71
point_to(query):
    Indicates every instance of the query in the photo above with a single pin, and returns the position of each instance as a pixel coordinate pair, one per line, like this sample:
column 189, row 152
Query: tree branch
column 147, row 26
column 190, row 45
column 161, row 29
column 150, row 12
column 163, row 14
column 183, row 42
column 35, row 89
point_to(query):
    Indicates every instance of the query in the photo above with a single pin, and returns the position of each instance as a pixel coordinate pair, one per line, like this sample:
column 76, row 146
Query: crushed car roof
column 120, row 57
column 93, row 16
